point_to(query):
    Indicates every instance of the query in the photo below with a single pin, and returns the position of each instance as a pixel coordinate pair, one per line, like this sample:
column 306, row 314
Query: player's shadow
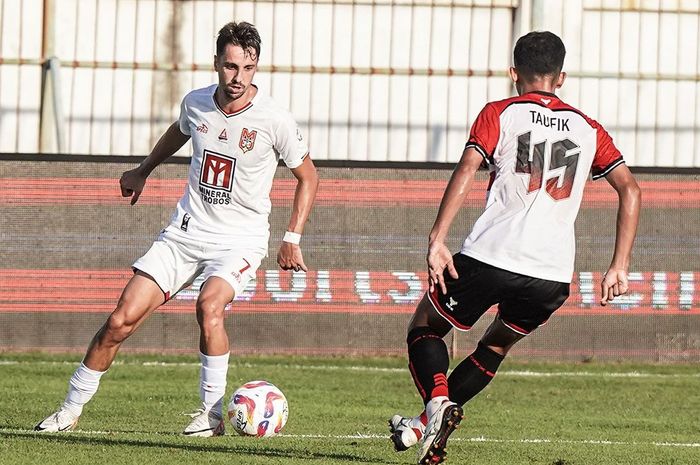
column 212, row 445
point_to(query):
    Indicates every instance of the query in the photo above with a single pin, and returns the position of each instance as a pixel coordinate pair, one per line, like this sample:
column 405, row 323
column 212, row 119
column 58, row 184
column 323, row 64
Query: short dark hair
column 241, row 34
column 539, row 53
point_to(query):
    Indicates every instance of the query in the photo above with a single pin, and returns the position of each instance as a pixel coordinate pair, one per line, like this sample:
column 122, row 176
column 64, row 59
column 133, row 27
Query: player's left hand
column 614, row 283
column 289, row 257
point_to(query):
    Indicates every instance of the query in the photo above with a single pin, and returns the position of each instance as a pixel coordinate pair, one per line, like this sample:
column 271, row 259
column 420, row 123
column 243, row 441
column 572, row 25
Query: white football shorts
column 174, row 264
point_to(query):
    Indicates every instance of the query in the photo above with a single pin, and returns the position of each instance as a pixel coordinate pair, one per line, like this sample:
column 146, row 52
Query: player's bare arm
column 133, row 181
column 615, row 280
column 439, row 256
column 289, row 256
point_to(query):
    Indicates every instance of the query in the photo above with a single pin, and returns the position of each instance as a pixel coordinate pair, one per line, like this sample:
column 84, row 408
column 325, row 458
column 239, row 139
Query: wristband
column 292, row 237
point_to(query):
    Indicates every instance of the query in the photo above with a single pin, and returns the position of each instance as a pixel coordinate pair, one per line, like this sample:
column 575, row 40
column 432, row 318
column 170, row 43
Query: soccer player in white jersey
column 220, row 228
column 520, row 253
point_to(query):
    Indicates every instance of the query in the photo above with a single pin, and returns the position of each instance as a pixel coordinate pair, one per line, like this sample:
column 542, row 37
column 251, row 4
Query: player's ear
column 560, row 80
column 513, row 73
column 216, row 63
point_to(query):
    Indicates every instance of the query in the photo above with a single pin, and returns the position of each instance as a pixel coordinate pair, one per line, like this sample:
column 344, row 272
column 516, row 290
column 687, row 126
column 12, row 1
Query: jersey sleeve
column 290, row 143
column 485, row 132
column 607, row 156
column 184, row 119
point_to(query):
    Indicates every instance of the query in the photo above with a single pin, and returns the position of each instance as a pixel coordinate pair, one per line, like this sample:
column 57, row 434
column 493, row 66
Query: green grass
column 578, row 414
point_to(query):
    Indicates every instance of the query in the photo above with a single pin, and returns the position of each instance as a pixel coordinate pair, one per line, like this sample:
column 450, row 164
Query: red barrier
column 328, row 291
column 332, row 192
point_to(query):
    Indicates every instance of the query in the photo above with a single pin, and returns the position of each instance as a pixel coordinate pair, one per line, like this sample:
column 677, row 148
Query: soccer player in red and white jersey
column 220, row 229
column 520, row 252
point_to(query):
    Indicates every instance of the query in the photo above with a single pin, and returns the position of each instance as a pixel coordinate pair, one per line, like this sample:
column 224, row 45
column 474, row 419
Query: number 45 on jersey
column 531, row 161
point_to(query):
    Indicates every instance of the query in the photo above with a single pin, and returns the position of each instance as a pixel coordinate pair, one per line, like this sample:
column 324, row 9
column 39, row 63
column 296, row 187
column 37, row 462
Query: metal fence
column 367, row 80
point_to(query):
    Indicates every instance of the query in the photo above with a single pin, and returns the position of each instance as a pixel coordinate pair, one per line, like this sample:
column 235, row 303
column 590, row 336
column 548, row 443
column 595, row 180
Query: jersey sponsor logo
column 202, row 128
column 217, row 171
column 223, row 136
column 247, row 140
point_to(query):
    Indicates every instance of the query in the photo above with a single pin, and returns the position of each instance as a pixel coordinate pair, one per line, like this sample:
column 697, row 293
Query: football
column 258, row 408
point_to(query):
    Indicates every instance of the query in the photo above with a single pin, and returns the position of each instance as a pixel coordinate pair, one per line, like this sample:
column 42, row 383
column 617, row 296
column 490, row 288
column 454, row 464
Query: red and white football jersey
column 539, row 151
column 234, row 158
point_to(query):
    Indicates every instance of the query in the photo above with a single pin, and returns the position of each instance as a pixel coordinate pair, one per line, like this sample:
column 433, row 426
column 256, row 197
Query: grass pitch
column 550, row 414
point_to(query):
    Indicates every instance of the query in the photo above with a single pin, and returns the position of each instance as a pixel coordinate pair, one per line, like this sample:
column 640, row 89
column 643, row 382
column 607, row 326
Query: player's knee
column 421, row 332
column 420, row 316
column 500, row 339
column 500, row 350
column 118, row 328
column 210, row 314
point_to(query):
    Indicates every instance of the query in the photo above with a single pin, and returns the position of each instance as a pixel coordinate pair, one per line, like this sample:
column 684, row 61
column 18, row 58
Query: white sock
column 434, row 404
column 81, row 387
column 212, row 380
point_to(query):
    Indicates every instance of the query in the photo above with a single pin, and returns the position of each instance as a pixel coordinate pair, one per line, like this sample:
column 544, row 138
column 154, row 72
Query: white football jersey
column 540, row 152
column 234, row 158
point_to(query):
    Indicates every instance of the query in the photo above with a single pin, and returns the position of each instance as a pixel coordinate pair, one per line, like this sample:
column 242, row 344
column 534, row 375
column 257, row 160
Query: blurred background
column 367, row 80
column 385, row 92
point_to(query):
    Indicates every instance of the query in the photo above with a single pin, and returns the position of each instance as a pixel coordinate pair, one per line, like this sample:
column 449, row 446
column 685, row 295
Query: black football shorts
column 524, row 303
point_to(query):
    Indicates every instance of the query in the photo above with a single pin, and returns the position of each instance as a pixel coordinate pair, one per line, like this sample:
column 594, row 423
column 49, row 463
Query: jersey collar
column 541, row 92
column 237, row 112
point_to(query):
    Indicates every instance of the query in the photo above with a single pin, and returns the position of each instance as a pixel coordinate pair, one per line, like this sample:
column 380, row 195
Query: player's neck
column 538, row 86
column 234, row 105
column 547, row 84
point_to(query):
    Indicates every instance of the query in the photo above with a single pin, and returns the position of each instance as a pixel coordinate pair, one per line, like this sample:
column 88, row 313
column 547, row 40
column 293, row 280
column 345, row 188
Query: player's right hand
column 439, row 258
column 131, row 184
column 614, row 283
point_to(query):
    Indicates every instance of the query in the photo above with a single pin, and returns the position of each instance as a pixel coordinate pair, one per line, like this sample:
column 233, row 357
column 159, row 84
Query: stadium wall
column 69, row 238
column 367, row 80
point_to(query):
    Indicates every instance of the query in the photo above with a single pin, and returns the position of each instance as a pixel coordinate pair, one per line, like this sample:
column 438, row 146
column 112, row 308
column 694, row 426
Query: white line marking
column 370, row 369
column 496, row 440
column 594, row 374
column 374, row 436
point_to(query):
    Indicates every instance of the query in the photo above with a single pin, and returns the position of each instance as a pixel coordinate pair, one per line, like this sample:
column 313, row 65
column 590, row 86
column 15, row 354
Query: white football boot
column 57, row 422
column 205, row 424
column 441, row 424
column 406, row 431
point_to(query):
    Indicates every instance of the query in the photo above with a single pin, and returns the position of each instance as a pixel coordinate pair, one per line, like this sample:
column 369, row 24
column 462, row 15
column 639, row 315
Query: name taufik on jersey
column 560, row 124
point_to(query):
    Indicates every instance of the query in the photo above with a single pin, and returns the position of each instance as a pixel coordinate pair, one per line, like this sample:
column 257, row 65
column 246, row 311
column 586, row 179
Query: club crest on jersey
column 247, row 140
column 217, row 171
